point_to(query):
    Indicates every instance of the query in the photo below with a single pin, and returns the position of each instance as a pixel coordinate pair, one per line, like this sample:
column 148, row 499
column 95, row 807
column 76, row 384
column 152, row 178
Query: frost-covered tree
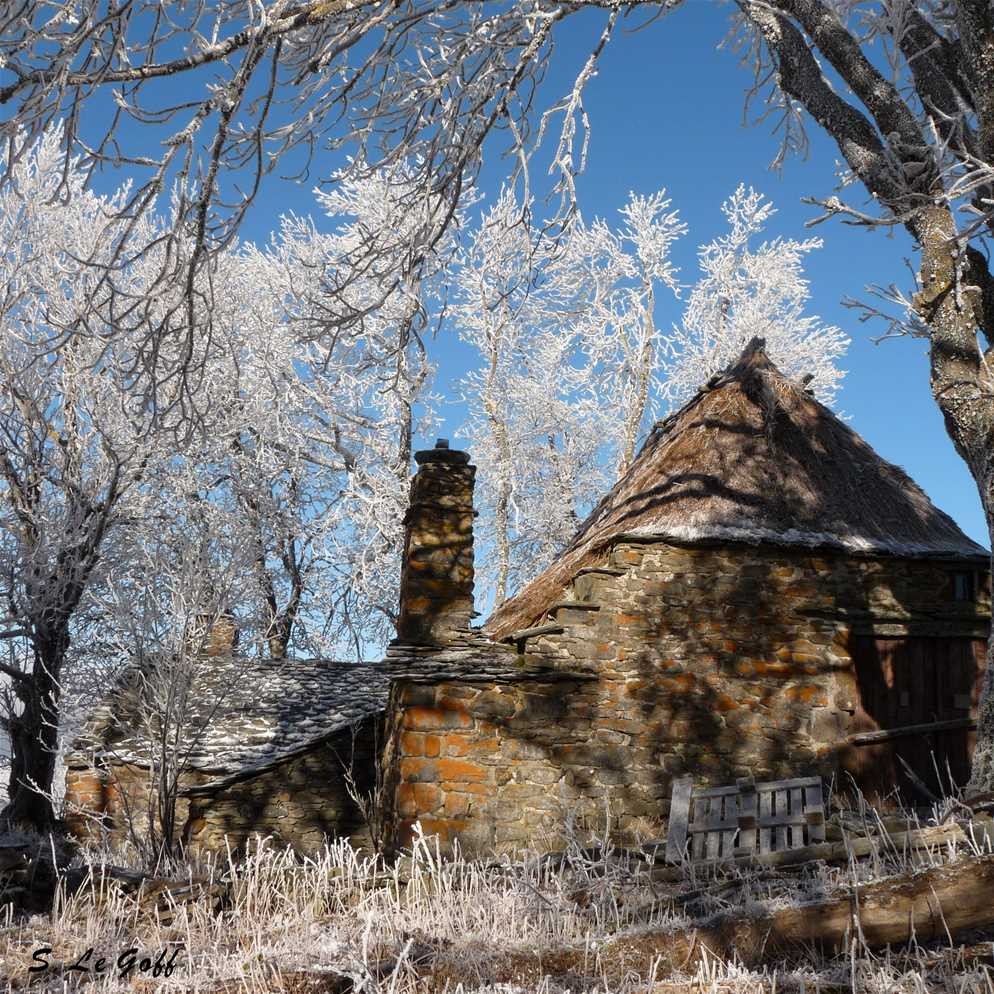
column 745, row 291
column 623, row 269
column 535, row 428
column 326, row 471
column 75, row 443
column 576, row 363
column 216, row 97
column 294, row 470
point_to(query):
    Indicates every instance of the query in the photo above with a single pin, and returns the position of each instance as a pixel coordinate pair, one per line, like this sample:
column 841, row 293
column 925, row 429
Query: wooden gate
column 905, row 683
column 749, row 819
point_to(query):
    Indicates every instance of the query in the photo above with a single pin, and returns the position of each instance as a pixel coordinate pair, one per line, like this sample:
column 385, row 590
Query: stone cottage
column 759, row 594
column 261, row 746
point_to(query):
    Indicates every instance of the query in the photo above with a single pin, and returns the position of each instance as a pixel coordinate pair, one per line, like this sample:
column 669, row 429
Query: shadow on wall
column 299, row 803
column 732, row 659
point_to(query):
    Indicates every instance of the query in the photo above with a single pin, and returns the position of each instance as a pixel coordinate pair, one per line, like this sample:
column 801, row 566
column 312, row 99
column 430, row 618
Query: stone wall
column 436, row 580
column 298, row 803
column 715, row 662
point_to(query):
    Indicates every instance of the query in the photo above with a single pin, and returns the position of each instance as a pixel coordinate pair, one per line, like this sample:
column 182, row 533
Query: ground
column 592, row 918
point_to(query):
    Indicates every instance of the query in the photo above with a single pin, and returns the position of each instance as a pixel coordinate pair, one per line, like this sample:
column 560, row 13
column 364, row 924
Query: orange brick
column 406, row 805
column 428, row 719
column 483, row 747
column 480, row 789
column 427, row 797
column 433, row 746
column 456, row 745
column 460, row 769
column 415, row 769
column 458, row 804
column 412, row 743
column 444, row 828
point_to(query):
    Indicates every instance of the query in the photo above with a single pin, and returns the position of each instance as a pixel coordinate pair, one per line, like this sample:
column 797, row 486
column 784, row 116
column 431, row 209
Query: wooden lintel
column 886, row 734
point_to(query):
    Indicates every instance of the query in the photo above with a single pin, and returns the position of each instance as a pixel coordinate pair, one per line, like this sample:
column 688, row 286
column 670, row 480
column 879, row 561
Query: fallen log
column 930, row 904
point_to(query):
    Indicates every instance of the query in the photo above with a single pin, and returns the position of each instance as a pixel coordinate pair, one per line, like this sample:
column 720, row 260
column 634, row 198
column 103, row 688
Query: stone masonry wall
column 297, row 804
column 715, row 662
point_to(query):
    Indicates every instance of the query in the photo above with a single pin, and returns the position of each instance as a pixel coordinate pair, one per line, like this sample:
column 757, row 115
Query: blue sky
column 666, row 109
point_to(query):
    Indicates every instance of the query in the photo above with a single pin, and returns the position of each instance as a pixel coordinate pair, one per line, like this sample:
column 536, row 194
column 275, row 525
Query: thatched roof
column 752, row 458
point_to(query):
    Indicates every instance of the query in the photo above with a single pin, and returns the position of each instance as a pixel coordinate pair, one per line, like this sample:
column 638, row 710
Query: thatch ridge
column 752, row 457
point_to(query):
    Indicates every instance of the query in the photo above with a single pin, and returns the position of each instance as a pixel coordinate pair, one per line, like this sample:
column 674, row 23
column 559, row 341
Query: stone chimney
column 214, row 635
column 436, row 578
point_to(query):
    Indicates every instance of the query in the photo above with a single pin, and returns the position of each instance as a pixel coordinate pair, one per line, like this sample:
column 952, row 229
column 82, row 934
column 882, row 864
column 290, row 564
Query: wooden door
column 913, row 681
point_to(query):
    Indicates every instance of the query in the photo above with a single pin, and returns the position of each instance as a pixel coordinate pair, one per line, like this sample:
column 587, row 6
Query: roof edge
column 797, row 538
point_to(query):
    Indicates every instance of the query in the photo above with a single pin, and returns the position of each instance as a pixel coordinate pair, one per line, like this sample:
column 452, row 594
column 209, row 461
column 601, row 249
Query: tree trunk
column 643, row 378
column 34, row 740
column 963, row 388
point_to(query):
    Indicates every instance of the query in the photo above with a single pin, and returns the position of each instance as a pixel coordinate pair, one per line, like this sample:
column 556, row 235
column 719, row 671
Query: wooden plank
column 797, row 812
column 780, row 829
column 731, row 819
column 748, row 814
column 765, row 810
column 794, row 782
column 760, row 785
column 814, row 810
column 714, row 791
column 676, row 835
column 713, row 834
column 886, row 734
column 698, row 839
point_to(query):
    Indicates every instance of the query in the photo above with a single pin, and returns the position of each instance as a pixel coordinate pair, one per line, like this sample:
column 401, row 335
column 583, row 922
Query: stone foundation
column 712, row 662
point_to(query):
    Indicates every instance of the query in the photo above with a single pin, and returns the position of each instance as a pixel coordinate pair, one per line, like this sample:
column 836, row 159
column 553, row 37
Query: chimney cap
column 441, row 454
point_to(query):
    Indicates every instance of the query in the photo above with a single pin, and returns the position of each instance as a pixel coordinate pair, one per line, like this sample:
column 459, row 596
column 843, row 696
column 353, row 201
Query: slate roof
column 753, row 458
column 245, row 715
column 476, row 659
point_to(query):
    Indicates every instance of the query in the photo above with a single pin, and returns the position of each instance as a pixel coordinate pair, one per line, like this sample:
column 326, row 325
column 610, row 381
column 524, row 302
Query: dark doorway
column 911, row 681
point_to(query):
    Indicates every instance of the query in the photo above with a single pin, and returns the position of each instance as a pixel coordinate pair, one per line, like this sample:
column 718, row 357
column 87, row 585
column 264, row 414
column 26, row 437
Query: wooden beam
column 886, row 734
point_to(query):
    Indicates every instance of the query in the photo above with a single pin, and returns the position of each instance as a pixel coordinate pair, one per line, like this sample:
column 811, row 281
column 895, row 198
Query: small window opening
column 963, row 586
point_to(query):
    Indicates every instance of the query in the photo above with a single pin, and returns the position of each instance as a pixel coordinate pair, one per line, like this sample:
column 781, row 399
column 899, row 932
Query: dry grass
column 342, row 921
